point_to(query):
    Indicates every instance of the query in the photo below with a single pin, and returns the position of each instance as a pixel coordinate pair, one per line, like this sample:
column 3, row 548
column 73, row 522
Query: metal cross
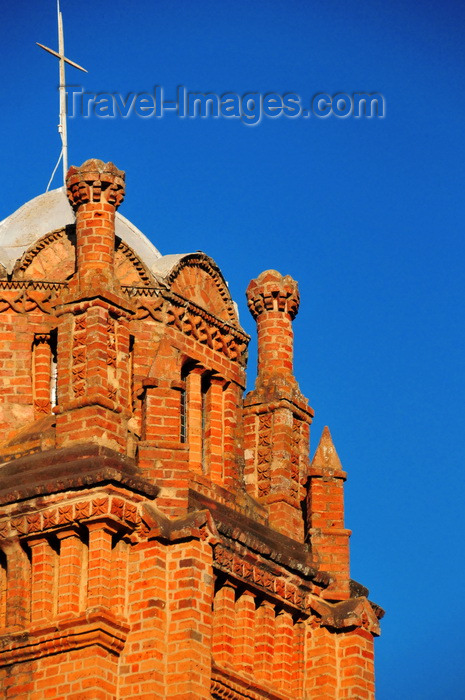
column 62, row 127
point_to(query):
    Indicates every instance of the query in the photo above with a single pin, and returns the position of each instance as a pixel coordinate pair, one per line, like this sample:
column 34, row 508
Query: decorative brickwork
column 160, row 535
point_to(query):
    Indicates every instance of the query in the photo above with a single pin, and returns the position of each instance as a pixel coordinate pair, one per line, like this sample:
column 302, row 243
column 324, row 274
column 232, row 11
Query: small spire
column 326, row 456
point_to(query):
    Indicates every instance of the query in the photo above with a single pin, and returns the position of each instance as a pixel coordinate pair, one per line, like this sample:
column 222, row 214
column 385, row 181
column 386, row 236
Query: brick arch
column 198, row 279
column 53, row 259
column 129, row 268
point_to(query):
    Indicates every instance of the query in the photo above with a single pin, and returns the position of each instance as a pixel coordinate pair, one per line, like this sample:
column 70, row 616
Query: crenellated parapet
column 273, row 301
column 95, row 182
column 273, row 292
column 95, row 190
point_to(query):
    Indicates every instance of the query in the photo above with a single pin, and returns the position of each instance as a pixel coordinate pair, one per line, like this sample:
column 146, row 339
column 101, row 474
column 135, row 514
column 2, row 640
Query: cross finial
column 62, row 127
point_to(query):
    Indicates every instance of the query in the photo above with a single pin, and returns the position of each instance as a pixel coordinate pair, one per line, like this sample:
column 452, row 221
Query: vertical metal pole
column 63, row 125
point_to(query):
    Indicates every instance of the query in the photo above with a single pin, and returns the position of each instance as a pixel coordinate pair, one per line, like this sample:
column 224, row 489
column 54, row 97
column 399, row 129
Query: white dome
column 51, row 211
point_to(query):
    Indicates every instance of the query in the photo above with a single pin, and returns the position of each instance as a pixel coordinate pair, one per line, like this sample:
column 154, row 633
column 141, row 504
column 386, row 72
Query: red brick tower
column 160, row 536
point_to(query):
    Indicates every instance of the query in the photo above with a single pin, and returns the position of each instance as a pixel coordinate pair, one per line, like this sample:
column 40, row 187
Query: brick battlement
column 161, row 535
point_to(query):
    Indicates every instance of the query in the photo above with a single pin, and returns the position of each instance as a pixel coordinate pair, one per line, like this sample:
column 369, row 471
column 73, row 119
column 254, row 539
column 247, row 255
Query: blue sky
column 366, row 214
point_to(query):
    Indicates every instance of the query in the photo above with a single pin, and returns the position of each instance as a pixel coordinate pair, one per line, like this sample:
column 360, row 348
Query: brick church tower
column 160, row 535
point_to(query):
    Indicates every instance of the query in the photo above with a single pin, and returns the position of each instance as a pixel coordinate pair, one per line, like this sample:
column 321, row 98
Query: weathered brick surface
column 161, row 536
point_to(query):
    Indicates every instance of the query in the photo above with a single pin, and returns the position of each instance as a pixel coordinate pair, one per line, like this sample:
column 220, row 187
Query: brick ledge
column 95, row 627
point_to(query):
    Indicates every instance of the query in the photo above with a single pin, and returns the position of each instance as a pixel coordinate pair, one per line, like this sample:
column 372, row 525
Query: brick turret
column 93, row 331
column 277, row 417
column 95, row 190
column 274, row 302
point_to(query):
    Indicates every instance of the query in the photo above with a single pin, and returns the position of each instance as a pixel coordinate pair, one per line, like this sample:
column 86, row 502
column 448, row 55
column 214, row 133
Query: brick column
column 194, row 418
column 99, row 574
column 321, row 668
column 143, row 661
column 232, row 434
column 223, row 624
column 356, row 665
column 297, row 680
column 190, row 597
column 264, row 642
column 244, row 629
column 162, row 455
column 43, row 579
column 70, row 572
column 18, row 586
column 161, row 411
column 283, row 659
column 119, row 577
column 42, row 374
column 214, row 430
